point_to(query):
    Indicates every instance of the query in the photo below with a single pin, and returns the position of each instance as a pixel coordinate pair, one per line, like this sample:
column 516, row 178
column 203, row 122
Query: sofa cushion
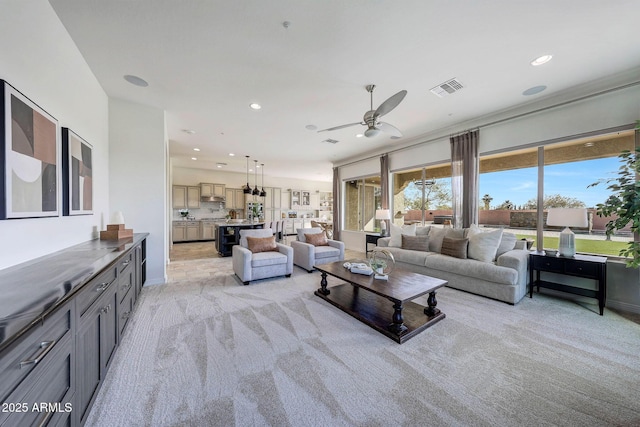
column 408, row 256
column 261, row 244
column 265, row 259
column 415, row 243
column 326, row 252
column 483, row 246
column 437, row 234
column 255, row 232
column 397, row 232
column 472, row 268
column 302, row 231
column 423, row 231
column 454, row 247
column 507, row 243
column 316, row 239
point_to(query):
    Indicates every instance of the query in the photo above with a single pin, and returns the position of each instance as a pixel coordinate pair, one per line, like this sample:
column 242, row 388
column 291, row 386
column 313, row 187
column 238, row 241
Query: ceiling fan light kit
column 370, row 119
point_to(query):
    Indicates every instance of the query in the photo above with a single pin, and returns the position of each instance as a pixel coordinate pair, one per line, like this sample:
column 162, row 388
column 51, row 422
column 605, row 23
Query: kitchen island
column 228, row 235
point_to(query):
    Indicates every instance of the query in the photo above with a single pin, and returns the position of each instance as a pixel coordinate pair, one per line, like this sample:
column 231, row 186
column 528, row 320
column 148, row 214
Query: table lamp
column 567, row 217
column 383, row 215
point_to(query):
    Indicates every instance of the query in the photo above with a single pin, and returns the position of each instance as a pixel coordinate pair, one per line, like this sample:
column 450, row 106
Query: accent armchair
column 307, row 255
column 261, row 264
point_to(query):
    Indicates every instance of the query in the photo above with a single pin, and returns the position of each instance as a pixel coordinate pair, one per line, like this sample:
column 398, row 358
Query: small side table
column 590, row 267
column 371, row 238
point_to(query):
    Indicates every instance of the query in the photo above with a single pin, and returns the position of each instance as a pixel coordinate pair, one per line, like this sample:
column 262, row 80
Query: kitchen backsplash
column 206, row 210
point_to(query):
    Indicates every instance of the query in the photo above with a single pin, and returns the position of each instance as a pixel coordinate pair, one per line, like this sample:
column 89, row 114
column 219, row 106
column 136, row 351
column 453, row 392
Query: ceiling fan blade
column 341, row 127
column 391, row 130
column 390, row 104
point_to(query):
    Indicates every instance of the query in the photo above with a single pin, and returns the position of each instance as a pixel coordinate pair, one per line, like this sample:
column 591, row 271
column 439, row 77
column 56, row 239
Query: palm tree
column 487, row 200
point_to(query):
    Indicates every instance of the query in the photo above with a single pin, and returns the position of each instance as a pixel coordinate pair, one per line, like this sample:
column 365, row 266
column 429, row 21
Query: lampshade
column 371, row 132
column 383, row 214
column 256, row 191
column 247, row 189
column 117, row 218
column 567, row 217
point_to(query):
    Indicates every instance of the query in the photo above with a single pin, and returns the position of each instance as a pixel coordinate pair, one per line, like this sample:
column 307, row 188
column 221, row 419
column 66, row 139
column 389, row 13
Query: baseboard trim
column 623, row 306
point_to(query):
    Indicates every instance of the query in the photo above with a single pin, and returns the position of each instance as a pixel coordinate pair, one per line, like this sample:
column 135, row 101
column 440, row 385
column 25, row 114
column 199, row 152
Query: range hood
column 212, row 199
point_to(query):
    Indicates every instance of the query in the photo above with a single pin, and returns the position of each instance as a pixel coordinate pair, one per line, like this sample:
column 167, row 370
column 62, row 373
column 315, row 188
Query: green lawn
column 601, row 247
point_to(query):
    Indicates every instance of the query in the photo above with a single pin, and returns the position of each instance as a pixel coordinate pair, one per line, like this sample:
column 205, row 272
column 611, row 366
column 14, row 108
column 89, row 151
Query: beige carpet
column 204, row 350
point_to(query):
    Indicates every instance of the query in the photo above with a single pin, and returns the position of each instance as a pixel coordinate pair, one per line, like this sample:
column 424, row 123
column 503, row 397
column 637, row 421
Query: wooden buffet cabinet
column 61, row 320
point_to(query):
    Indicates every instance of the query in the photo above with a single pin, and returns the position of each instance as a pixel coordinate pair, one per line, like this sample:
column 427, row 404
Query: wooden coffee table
column 385, row 305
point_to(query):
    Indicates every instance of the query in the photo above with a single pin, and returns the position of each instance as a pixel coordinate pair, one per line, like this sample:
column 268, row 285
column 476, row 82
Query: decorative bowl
column 550, row 252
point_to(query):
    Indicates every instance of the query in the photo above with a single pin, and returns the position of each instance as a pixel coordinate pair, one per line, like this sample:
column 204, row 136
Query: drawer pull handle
column 45, row 419
column 105, row 309
column 126, row 315
column 102, row 286
column 125, row 263
column 45, row 348
column 125, row 287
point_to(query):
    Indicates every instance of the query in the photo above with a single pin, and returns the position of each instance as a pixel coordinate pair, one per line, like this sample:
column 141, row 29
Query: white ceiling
column 206, row 61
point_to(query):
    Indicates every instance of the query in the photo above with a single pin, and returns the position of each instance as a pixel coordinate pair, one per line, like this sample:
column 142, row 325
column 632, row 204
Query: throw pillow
column 422, row 231
column 316, row 239
column 454, row 247
column 483, row 246
column 261, row 244
column 397, row 232
column 507, row 243
column 437, row 234
column 415, row 243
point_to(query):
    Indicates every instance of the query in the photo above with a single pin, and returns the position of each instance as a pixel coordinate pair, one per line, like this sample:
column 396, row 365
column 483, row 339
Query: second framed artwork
column 77, row 174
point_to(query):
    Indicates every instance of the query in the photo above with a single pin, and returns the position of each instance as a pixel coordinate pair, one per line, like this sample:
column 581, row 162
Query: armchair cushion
column 254, row 232
column 303, row 231
column 316, row 239
column 261, row 244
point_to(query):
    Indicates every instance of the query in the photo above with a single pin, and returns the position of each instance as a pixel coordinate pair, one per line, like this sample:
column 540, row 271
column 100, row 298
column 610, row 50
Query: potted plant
column 184, row 213
column 624, row 202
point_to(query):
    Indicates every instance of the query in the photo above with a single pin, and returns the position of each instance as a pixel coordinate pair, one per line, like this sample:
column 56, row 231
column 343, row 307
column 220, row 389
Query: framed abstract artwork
column 30, row 158
column 77, row 174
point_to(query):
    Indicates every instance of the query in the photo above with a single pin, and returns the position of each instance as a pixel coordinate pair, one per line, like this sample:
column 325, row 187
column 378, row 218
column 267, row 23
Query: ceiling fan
column 370, row 120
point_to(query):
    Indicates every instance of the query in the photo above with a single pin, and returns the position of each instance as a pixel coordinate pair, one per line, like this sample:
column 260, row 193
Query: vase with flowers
column 184, row 213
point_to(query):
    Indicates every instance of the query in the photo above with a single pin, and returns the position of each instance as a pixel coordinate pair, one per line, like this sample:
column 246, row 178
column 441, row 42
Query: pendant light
column 263, row 193
column 247, row 188
column 256, row 192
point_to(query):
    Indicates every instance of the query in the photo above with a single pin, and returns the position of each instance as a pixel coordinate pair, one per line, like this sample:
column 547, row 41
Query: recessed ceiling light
column 589, row 144
column 196, row 149
column 534, row 90
column 194, row 158
column 231, row 154
column 395, row 137
column 360, row 135
column 541, row 60
column 189, row 131
column 135, row 80
column 255, row 106
column 311, row 127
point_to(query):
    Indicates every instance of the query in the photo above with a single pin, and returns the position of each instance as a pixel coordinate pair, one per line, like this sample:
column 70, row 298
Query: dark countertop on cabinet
column 33, row 289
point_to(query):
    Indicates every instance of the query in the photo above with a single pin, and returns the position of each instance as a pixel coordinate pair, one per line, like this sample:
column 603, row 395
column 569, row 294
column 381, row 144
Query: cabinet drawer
column 94, row 289
column 126, row 279
column 48, row 392
column 33, row 349
column 125, row 310
column 548, row 263
column 125, row 262
column 582, row 269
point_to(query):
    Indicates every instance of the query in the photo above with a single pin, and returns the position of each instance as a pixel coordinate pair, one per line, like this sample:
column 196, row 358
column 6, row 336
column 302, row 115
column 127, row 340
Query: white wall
column 39, row 59
column 138, row 169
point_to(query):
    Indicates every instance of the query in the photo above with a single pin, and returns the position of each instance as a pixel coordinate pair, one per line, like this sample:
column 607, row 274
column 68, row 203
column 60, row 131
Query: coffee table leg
column 397, row 326
column 323, row 284
column 431, row 301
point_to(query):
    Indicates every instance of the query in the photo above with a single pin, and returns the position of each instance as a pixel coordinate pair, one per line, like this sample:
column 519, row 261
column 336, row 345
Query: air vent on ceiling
column 447, row 88
column 330, row 141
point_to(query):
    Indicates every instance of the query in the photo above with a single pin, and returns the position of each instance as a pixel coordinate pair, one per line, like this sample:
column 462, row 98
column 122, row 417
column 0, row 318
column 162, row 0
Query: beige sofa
column 502, row 276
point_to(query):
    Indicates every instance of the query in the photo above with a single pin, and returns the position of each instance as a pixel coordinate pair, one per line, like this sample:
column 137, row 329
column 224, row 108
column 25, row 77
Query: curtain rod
column 506, row 119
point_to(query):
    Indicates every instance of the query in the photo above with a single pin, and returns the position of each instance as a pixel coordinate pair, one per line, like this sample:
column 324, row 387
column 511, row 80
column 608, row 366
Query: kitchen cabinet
column 186, row 197
column 210, row 190
column 186, row 231
column 273, row 199
column 300, row 199
column 207, row 230
column 234, row 198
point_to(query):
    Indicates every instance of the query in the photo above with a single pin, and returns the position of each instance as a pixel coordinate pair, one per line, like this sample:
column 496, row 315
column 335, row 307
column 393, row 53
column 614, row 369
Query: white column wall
column 138, row 178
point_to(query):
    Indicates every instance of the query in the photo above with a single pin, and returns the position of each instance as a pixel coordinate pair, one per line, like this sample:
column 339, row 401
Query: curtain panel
column 336, row 204
column 464, row 178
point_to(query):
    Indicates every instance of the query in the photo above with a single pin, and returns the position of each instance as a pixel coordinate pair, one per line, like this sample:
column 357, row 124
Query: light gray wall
column 39, row 59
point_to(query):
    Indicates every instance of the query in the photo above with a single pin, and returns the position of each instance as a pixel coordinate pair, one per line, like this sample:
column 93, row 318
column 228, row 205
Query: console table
column 590, row 267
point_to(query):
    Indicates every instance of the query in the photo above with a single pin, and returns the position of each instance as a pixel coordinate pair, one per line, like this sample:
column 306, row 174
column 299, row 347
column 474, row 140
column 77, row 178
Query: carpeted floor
column 204, row 350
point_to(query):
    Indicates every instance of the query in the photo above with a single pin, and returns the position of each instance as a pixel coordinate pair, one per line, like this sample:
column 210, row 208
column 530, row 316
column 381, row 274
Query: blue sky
column 568, row 179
